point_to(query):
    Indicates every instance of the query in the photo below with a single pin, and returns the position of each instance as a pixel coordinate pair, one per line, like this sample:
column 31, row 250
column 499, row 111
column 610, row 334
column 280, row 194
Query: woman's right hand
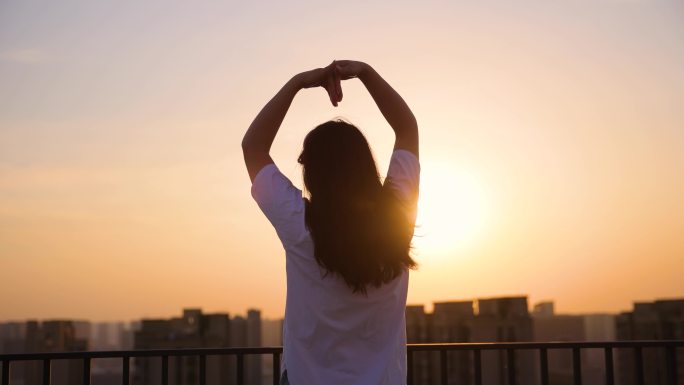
column 327, row 78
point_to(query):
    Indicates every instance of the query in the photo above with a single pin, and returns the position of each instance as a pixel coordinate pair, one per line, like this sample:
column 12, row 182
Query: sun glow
column 452, row 209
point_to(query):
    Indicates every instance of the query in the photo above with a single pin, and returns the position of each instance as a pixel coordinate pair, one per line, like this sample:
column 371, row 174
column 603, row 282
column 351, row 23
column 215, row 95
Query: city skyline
column 551, row 148
column 482, row 320
column 541, row 305
column 117, row 334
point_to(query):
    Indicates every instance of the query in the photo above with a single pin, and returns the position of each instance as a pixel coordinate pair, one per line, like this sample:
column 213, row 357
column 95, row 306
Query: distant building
column 253, row 363
column 126, row 337
column 505, row 320
column 453, row 322
column 243, row 332
column 496, row 320
column 272, row 332
column 544, row 309
column 83, row 329
column 101, row 339
column 108, row 336
column 549, row 327
column 271, row 335
column 659, row 320
column 53, row 336
column 12, row 335
column 601, row 328
column 195, row 329
column 419, row 331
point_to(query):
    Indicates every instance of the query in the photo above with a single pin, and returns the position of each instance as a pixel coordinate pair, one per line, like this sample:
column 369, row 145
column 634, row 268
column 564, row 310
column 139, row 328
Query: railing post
column 610, row 376
column 126, row 372
column 544, row 363
column 5, row 372
column 165, row 370
column 240, row 369
column 409, row 367
column 276, row 368
column 443, row 366
column 671, row 365
column 577, row 366
column 86, row 371
column 46, row 371
column 477, row 355
column 510, row 360
column 639, row 365
column 202, row 369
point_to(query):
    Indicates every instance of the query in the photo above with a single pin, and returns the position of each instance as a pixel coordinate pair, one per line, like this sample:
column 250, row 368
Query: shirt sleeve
column 403, row 176
column 281, row 202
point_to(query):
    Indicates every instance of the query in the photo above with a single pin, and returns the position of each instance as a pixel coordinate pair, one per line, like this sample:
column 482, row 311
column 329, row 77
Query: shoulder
column 280, row 201
column 404, row 173
column 406, row 158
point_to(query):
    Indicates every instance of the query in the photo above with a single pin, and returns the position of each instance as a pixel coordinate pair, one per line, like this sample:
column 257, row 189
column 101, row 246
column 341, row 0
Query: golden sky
column 551, row 148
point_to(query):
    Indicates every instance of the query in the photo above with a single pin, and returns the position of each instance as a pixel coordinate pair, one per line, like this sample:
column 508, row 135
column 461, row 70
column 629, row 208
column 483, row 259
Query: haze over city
column 551, row 148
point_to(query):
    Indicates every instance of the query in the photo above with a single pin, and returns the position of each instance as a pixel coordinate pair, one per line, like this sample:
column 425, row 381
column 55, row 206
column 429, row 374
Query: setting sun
column 452, row 210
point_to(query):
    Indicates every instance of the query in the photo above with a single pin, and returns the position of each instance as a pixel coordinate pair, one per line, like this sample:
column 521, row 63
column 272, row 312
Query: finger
column 328, row 82
column 338, row 84
column 334, row 80
column 331, row 91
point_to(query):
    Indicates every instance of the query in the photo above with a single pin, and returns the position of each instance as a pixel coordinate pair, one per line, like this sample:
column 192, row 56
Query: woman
column 347, row 245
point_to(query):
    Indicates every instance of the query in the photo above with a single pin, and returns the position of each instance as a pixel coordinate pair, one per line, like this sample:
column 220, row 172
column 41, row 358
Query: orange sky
column 551, row 148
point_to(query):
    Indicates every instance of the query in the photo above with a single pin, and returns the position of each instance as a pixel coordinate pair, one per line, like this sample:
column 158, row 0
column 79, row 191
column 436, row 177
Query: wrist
column 295, row 83
column 366, row 71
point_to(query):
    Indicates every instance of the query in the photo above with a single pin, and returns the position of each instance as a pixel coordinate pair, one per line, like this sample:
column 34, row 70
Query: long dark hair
column 358, row 227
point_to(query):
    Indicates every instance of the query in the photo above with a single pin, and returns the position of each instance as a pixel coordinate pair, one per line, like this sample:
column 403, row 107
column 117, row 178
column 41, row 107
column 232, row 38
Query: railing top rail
column 279, row 349
column 142, row 353
column 545, row 345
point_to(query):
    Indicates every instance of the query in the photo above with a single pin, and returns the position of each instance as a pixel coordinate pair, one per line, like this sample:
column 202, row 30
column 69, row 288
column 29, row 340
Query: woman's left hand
column 327, row 78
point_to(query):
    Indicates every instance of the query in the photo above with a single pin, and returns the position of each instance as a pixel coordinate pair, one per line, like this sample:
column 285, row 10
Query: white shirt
column 330, row 334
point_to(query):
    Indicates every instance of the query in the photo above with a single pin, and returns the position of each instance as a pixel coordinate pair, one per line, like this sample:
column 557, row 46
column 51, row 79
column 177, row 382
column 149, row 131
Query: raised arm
column 391, row 105
column 256, row 144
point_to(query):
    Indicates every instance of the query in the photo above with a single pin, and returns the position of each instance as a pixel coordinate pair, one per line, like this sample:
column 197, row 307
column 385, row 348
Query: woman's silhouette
column 347, row 245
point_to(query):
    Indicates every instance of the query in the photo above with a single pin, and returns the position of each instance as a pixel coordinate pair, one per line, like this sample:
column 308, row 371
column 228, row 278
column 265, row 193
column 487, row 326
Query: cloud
column 25, row 56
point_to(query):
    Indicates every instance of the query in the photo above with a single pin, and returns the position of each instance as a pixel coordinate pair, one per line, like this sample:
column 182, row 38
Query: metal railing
column 511, row 349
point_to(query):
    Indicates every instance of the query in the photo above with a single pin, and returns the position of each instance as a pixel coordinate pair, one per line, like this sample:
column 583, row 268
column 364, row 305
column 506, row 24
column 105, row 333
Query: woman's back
column 331, row 334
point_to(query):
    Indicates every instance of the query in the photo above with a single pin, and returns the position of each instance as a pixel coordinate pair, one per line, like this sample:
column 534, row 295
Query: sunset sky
column 552, row 148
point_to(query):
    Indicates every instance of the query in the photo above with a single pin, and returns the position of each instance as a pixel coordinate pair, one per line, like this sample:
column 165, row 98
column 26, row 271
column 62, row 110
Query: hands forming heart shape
column 331, row 77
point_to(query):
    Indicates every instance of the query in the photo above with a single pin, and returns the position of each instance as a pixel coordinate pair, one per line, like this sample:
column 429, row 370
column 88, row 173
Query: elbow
column 248, row 145
column 245, row 144
column 251, row 149
column 245, row 149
